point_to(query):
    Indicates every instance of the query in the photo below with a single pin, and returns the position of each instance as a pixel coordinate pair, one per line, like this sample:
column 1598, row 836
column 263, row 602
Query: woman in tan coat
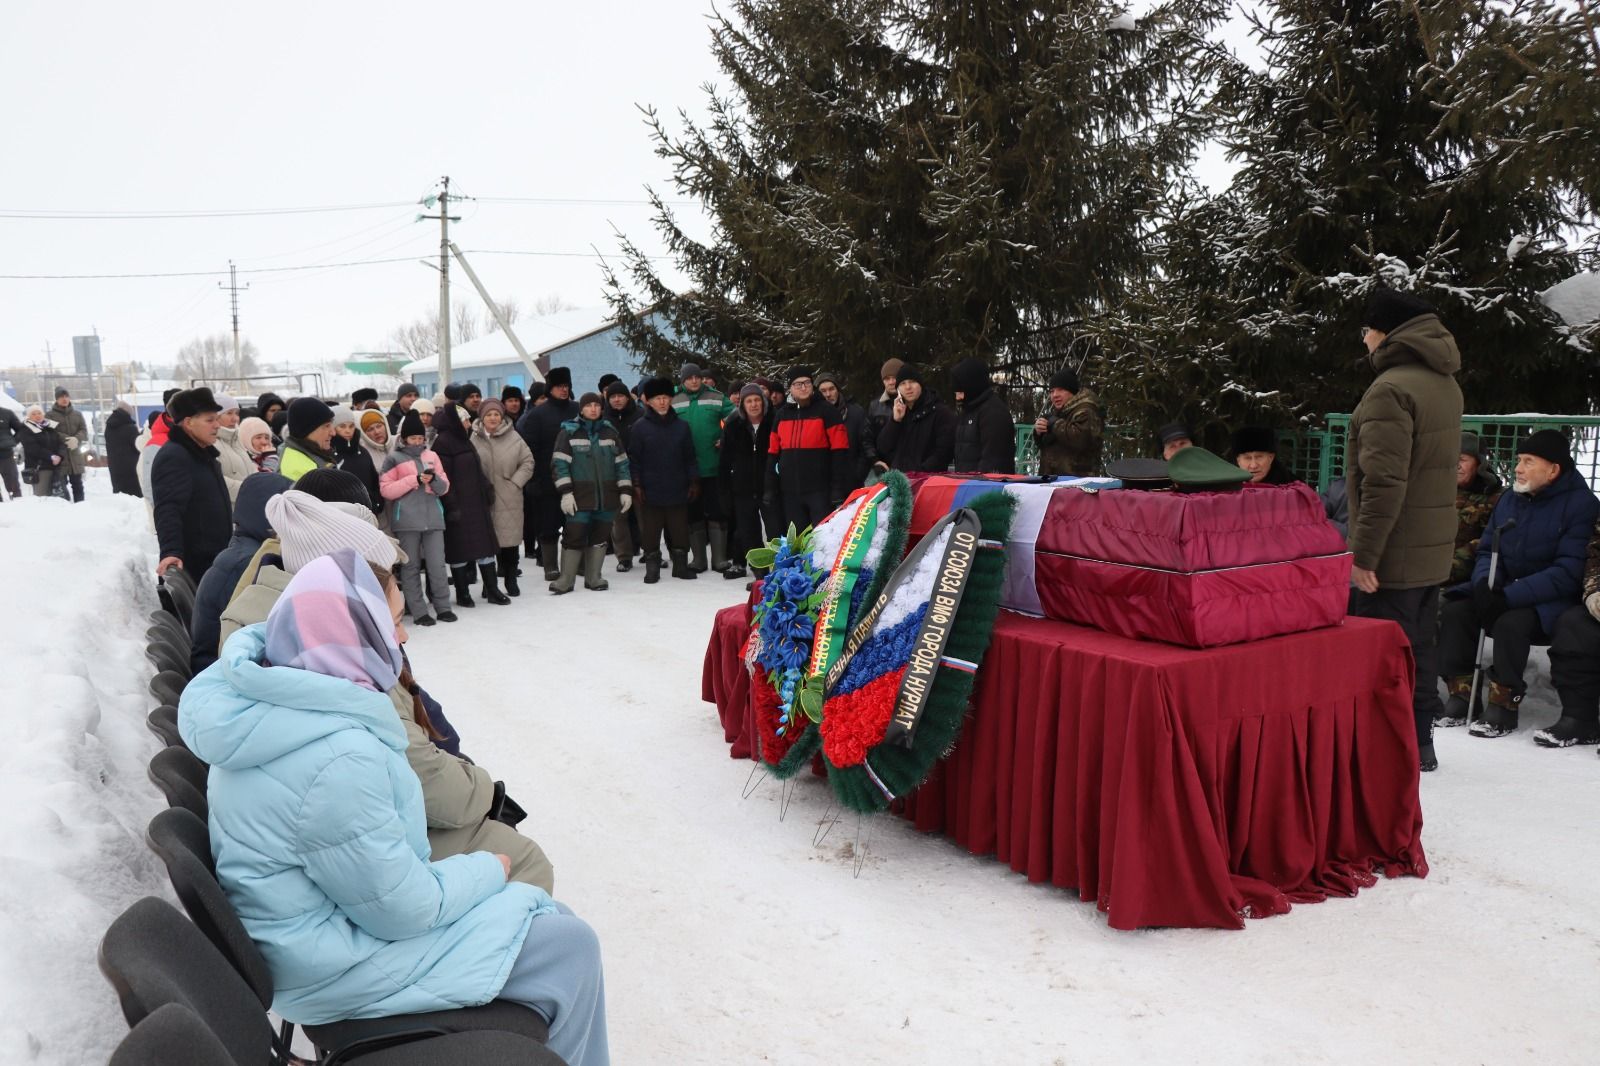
column 507, row 466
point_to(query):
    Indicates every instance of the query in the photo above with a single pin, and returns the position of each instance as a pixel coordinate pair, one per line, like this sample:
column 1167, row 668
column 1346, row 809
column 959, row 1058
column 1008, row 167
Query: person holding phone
column 412, row 483
column 920, row 435
column 1069, row 432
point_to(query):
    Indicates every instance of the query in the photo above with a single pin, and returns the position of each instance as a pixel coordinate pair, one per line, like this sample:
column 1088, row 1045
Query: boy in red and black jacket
column 808, row 455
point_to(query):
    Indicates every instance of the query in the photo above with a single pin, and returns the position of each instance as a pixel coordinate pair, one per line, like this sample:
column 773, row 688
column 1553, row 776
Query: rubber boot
column 461, row 578
column 652, row 567
column 550, row 551
column 681, row 567
column 508, row 571
column 718, row 534
column 571, row 560
column 698, row 542
column 594, row 558
column 491, row 588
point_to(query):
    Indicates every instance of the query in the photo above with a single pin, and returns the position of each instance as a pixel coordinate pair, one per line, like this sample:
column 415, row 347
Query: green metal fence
column 1318, row 455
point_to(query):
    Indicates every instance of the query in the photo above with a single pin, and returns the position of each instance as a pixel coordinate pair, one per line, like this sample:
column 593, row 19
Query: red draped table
column 1172, row 786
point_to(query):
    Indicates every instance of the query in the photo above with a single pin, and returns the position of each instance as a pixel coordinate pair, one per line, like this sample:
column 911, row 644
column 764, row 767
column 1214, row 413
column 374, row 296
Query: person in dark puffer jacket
column 250, row 530
column 666, row 478
column 468, row 524
column 986, row 442
column 808, row 468
column 923, row 437
column 1540, row 576
column 539, row 426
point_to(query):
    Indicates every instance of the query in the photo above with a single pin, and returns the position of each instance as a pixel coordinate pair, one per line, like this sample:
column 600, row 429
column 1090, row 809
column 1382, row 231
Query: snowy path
column 729, row 939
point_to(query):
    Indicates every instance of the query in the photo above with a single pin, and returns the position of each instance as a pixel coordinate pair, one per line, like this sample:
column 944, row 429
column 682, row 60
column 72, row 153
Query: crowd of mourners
column 314, row 530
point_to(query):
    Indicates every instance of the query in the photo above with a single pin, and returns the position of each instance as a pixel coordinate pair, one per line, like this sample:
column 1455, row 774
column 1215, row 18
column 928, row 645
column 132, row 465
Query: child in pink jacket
column 412, row 481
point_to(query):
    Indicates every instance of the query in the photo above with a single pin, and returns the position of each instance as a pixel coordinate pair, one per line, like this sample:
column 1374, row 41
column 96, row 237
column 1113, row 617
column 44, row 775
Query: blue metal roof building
column 584, row 341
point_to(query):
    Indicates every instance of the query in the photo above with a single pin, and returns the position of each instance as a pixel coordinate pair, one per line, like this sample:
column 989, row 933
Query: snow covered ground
column 729, row 938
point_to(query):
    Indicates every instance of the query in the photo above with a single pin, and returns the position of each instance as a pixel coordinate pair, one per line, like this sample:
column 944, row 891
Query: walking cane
column 1483, row 631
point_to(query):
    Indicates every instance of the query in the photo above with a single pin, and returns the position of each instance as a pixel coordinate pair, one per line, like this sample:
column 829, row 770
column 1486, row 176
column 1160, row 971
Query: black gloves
column 1489, row 604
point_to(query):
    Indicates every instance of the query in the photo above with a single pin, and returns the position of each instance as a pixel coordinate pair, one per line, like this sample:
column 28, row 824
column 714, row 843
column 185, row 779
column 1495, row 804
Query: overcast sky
column 189, row 106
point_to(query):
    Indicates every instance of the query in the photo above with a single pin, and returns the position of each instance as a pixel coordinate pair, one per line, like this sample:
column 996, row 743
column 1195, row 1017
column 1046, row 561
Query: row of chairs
column 196, row 990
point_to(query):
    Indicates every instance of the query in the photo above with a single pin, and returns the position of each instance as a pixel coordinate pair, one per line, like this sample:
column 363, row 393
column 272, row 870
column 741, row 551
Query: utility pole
column 494, row 309
column 445, row 218
column 233, row 288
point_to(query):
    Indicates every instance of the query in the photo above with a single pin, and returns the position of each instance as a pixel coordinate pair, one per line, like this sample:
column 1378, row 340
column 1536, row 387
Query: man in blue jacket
column 1540, row 575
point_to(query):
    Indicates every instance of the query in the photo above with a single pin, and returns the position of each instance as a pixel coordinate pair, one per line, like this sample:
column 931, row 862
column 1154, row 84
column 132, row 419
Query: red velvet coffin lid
column 1189, row 533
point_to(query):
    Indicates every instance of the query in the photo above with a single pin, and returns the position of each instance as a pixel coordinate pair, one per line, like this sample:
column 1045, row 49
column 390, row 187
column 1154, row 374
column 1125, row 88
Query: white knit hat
column 342, row 414
column 226, row 402
column 307, row 529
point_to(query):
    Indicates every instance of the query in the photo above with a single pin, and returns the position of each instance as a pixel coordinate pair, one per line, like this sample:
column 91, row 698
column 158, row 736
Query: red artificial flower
column 854, row 723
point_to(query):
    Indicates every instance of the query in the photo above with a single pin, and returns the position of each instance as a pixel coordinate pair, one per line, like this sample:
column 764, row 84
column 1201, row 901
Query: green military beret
column 1197, row 470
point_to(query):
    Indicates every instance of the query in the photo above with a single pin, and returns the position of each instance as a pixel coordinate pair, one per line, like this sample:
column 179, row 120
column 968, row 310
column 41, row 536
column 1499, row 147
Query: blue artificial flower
column 781, row 613
column 802, row 628
column 796, row 585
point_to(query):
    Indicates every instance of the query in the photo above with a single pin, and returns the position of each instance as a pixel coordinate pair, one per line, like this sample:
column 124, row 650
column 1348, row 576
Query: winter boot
column 718, row 534
column 447, row 616
column 698, row 542
column 550, row 551
column 594, row 558
column 1568, row 732
column 1499, row 713
column 652, row 567
column 733, row 571
column 571, row 560
column 425, row 620
column 461, row 578
column 491, row 588
column 624, row 562
column 509, row 571
column 1454, row 714
column 681, row 567
column 1428, row 761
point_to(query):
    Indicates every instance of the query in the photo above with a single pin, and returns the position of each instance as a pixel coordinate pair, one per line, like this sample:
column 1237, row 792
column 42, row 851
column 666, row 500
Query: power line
column 303, row 266
column 253, row 212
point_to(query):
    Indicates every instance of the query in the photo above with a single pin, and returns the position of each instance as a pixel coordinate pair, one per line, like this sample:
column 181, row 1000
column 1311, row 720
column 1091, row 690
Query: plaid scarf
column 334, row 620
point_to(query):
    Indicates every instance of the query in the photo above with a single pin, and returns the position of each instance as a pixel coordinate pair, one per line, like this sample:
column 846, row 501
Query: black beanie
column 605, row 382
column 558, row 376
column 306, row 414
column 1254, row 439
column 411, row 425
column 536, row 390
column 469, row 389
column 331, row 485
column 656, row 387
column 452, row 391
column 510, row 392
column 1388, row 309
column 617, row 388
column 970, row 378
column 407, row 389
column 1548, row 444
column 588, row 398
column 1065, row 378
column 909, row 372
column 795, row 373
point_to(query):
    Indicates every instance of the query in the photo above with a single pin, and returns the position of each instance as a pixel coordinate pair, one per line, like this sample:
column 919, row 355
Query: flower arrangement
column 784, row 626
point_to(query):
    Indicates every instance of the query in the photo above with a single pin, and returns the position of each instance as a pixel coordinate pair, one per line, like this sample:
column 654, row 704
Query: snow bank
column 74, row 798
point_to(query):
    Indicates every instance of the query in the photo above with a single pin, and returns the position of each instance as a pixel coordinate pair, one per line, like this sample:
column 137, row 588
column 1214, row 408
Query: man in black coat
column 741, row 469
column 666, row 479
column 541, row 503
column 920, row 436
column 856, row 427
column 122, row 451
column 986, row 440
column 622, row 411
column 193, row 517
column 808, row 454
column 10, row 426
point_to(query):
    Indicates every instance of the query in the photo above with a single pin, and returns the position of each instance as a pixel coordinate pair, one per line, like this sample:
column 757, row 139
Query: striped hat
column 308, row 529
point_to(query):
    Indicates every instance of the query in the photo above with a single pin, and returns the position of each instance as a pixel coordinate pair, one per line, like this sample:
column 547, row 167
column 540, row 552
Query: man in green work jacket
column 704, row 408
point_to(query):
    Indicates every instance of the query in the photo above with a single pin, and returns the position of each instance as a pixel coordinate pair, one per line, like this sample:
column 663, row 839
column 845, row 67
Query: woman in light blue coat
column 320, row 840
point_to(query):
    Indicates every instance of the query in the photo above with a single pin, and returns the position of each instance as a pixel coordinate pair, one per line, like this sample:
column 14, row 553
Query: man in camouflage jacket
column 1477, row 491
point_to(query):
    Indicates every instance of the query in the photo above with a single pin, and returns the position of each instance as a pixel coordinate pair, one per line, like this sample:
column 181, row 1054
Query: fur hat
column 361, row 396
column 558, row 376
column 1254, row 439
column 1388, row 309
column 191, row 402
column 536, row 392
column 796, row 373
column 307, row 414
column 656, row 387
column 605, row 382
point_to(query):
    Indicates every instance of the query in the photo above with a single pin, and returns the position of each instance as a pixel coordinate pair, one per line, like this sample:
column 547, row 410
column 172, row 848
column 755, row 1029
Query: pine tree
column 925, row 179
column 1354, row 172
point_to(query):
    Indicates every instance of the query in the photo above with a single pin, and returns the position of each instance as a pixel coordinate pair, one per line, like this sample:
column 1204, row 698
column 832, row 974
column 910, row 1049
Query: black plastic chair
column 182, row 589
column 165, row 621
column 154, row 960
column 163, row 722
column 156, row 637
column 167, row 686
column 167, row 657
column 184, row 845
column 169, row 1035
column 182, row 779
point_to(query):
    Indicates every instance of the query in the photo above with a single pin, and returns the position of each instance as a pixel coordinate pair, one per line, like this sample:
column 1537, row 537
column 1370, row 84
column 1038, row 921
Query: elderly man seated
column 1545, row 524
